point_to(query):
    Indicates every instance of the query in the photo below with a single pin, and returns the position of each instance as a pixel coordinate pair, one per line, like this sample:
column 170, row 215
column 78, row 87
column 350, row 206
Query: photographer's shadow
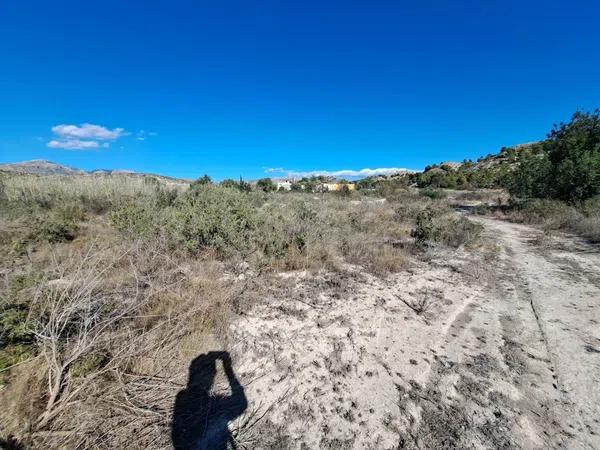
column 200, row 417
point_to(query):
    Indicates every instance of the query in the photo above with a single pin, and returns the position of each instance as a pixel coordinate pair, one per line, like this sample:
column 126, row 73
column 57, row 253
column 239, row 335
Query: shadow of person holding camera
column 200, row 417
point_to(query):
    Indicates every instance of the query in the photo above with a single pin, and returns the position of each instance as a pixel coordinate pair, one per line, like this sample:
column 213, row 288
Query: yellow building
column 336, row 187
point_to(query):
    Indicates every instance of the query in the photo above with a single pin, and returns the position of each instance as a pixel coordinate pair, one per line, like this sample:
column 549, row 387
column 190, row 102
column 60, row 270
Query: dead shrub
column 583, row 219
column 551, row 214
column 423, row 300
column 588, row 227
column 375, row 257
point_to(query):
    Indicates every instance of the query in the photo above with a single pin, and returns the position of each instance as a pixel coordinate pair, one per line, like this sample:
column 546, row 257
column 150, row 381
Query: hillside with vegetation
column 565, row 166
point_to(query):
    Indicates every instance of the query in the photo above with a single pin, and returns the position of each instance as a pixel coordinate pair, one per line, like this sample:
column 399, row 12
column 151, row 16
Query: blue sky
column 233, row 88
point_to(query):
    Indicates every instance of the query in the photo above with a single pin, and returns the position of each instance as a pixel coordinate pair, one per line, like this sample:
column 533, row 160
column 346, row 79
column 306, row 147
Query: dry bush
column 73, row 319
column 445, row 228
column 109, row 325
column 375, row 257
column 301, row 232
column 583, row 219
column 423, row 300
column 486, row 196
column 551, row 214
column 588, row 227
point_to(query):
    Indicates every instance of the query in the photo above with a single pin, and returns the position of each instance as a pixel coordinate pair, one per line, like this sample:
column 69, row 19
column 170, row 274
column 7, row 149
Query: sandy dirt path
column 560, row 280
column 506, row 353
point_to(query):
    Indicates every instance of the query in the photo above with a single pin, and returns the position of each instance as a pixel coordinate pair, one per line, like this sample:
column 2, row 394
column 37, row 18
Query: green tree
column 568, row 168
column 204, row 180
column 239, row 185
column 266, row 184
column 574, row 152
column 530, row 180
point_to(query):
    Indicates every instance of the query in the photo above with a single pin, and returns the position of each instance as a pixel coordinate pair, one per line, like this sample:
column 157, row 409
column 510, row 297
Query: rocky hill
column 44, row 167
column 487, row 172
column 40, row 167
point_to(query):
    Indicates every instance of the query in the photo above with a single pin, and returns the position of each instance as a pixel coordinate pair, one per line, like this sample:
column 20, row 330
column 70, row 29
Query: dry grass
column 588, row 227
column 376, row 257
column 96, row 193
column 583, row 220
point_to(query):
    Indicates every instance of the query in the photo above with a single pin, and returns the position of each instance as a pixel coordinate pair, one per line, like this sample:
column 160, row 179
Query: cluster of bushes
column 568, row 168
column 583, row 219
column 565, row 166
column 291, row 231
column 36, row 209
column 467, row 175
column 206, row 217
column 433, row 225
column 95, row 194
column 559, row 187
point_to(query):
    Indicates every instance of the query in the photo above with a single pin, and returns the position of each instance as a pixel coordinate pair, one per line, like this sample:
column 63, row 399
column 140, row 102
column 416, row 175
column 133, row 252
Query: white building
column 284, row 185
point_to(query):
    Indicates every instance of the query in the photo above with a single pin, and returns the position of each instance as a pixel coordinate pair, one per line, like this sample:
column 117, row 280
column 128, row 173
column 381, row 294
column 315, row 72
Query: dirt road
column 500, row 351
column 548, row 305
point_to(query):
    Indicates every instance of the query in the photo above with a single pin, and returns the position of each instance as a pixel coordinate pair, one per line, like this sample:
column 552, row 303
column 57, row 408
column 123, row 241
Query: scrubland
column 112, row 285
column 384, row 318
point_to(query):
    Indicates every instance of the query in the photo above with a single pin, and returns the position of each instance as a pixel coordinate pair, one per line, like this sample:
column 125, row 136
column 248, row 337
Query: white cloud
column 141, row 135
column 83, row 137
column 87, row 131
column 75, row 144
column 275, row 170
column 344, row 173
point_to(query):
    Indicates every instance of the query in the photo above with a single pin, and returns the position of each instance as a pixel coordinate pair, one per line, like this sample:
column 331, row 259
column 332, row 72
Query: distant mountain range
column 40, row 167
column 43, row 167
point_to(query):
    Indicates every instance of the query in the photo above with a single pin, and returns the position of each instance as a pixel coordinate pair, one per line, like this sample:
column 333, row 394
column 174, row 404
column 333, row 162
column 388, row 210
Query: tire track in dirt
column 501, row 380
column 566, row 307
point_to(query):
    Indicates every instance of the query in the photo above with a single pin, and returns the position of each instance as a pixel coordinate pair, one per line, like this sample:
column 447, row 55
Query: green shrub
column 294, row 228
column 14, row 354
column 164, row 197
column 568, row 168
column 13, row 324
column 214, row 217
column 447, row 229
column 424, row 228
column 266, row 185
column 205, row 179
column 434, row 194
column 241, row 185
column 135, row 219
column 57, row 226
column 14, row 308
column 27, row 224
column 57, row 229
